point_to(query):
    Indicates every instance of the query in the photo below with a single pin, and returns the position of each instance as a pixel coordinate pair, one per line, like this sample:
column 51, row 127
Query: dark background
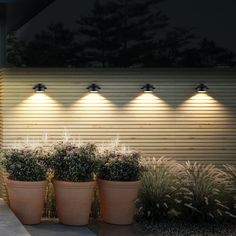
column 128, row 33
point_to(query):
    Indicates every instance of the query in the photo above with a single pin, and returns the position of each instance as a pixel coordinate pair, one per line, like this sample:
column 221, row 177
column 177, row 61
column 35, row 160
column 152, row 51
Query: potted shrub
column 74, row 169
column 118, row 183
column 26, row 182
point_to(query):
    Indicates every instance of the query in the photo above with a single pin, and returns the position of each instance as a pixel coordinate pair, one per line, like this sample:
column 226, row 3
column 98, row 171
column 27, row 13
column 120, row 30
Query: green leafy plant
column 159, row 193
column 50, row 199
column 117, row 164
column 95, row 208
column 205, row 189
column 74, row 163
column 25, row 164
column 230, row 172
column 189, row 191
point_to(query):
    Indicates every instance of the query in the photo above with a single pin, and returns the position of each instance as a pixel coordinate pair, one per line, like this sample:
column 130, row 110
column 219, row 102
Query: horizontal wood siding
column 1, row 81
column 2, row 187
column 173, row 121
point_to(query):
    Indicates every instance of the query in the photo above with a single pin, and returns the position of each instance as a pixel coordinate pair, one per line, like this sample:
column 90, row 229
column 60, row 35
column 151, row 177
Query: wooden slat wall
column 1, row 81
column 1, row 171
column 173, row 121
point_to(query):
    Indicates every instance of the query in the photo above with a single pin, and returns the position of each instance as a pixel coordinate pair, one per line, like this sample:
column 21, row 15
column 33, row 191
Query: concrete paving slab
column 49, row 228
column 9, row 224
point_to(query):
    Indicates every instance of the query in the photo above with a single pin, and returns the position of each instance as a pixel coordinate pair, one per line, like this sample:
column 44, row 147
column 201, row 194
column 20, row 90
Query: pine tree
column 172, row 47
column 139, row 28
column 15, row 51
column 208, row 54
column 213, row 55
column 54, row 47
column 96, row 32
column 122, row 33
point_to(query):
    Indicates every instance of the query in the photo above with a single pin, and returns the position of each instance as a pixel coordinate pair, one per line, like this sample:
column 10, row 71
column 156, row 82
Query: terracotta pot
column 27, row 199
column 73, row 201
column 117, row 201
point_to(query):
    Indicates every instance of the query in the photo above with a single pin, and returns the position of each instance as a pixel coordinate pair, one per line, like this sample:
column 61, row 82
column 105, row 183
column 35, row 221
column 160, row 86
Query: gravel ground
column 179, row 229
column 164, row 229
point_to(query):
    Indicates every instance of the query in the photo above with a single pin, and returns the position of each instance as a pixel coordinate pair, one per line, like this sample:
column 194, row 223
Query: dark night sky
column 214, row 19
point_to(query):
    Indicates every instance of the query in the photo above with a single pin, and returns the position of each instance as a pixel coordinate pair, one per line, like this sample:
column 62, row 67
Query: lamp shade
column 40, row 88
column 94, row 88
column 201, row 88
column 148, row 88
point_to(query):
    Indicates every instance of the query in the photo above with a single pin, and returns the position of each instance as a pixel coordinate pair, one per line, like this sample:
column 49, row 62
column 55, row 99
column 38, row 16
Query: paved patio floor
column 47, row 228
column 9, row 224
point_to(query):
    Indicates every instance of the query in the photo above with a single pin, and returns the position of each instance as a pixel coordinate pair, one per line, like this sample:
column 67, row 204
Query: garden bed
column 174, row 198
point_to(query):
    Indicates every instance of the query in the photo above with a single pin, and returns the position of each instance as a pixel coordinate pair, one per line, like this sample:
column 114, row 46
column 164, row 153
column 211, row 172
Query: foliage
column 189, row 191
column 169, row 190
column 172, row 47
column 25, row 164
column 54, row 47
column 159, row 195
column 96, row 31
column 95, row 208
column 71, row 162
column 205, row 189
column 50, row 199
column 15, row 51
column 120, row 33
column 230, row 172
column 119, row 165
column 207, row 54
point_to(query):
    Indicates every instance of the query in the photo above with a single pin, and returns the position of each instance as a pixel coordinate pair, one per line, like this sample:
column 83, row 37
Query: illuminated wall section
column 93, row 117
column 208, row 128
column 1, row 175
column 173, row 121
column 152, row 122
column 1, row 81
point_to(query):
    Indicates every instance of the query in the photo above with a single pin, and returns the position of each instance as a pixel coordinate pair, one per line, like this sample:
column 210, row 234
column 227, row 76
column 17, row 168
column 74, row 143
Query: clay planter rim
column 71, row 184
column 25, row 184
column 121, row 184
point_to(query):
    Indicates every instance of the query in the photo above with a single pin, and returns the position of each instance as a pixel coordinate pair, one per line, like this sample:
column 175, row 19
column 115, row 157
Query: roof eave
column 19, row 12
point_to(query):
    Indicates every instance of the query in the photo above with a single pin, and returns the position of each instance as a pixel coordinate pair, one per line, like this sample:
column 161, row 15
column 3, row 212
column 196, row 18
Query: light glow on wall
column 149, row 114
column 39, row 101
column 39, row 98
column 174, row 120
column 203, row 101
column 92, row 100
column 94, row 114
column 148, row 101
column 206, row 111
column 33, row 117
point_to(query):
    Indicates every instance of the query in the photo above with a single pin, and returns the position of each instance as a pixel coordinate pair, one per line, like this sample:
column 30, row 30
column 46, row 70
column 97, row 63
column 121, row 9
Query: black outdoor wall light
column 148, row 88
column 94, row 88
column 39, row 88
column 201, row 88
